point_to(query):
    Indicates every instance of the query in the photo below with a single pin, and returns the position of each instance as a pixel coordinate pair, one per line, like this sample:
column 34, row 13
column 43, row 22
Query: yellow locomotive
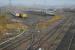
column 21, row 15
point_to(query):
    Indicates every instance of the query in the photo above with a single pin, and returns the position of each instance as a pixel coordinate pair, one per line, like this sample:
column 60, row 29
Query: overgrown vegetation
column 9, row 28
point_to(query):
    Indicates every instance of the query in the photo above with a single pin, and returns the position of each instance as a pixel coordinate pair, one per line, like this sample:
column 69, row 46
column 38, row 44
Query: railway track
column 13, row 43
column 57, row 34
column 44, row 38
column 72, row 44
column 60, row 32
column 65, row 42
column 68, row 40
column 37, row 43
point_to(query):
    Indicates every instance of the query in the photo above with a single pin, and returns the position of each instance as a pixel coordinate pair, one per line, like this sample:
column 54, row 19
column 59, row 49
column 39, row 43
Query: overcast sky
column 38, row 2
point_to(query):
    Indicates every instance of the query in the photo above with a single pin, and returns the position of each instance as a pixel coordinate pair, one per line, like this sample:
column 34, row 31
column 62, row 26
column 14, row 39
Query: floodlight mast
column 10, row 5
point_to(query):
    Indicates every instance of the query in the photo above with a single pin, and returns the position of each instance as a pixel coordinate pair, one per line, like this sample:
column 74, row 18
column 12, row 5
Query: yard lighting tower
column 10, row 5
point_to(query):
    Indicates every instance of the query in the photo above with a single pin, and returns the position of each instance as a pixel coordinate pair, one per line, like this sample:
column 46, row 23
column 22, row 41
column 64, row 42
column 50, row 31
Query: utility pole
column 0, row 11
column 10, row 5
